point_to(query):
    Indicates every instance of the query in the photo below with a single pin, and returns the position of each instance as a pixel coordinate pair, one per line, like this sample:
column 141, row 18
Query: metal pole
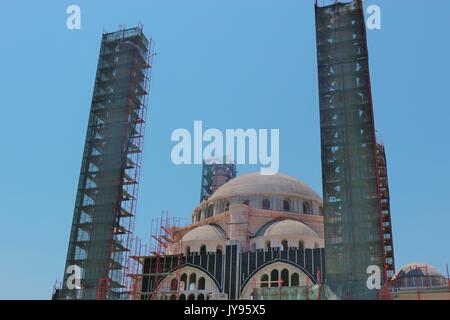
column 417, row 283
column 448, row 278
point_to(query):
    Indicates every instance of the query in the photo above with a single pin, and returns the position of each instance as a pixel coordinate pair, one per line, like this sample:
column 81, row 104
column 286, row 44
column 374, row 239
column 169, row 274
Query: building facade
column 256, row 237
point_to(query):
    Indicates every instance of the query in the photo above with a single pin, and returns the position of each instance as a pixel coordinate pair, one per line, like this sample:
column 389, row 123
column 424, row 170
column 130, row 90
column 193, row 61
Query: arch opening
column 274, row 278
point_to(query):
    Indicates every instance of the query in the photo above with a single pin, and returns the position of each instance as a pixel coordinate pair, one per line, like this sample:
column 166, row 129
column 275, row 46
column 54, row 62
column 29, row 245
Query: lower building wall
column 428, row 295
column 314, row 292
column 234, row 271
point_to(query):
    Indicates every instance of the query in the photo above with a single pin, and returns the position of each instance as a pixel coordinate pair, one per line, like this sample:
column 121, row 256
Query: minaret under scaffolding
column 354, row 244
column 215, row 173
column 107, row 192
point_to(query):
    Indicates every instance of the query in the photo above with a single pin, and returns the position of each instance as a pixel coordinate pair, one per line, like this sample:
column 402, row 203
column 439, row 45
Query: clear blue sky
column 234, row 63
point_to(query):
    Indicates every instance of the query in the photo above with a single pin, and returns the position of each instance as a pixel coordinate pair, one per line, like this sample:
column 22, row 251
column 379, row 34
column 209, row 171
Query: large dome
column 256, row 183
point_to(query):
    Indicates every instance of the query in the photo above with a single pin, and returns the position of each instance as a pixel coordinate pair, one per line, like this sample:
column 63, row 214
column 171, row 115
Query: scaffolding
column 138, row 250
column 215, row 173
column 57, row 287
column 352, row 201
column 448, row 278
column 160, row 235
column 386, row 224
column 164, row 246
column 105, row 208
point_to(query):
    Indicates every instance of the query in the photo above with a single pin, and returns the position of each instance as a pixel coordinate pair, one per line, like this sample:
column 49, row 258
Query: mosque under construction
column 251, row 236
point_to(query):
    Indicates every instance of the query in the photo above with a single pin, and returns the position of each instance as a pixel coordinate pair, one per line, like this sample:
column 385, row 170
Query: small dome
column 256, row 183
column 417, row 269
column 289, row 227
column 204, row 233
column 418, row 275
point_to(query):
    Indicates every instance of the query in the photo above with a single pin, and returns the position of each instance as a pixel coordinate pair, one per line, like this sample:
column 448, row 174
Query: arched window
column 219, row 249
column 306, row 207
column 191, row 296
column 201, row 283
column 182, row 297
column 266, row 204
column 210, row 211
column 301, row 245
column 268, row 247
column 202, row 249
column 286, row 205
column 246, row 202
column 174, row 284
column 285, row 245
column 192, row 281
column 285, row 278
column 274, row 278
column 227, row 206
column 199, row 215
column 183, row 281
column 295, row 280
column 187, row 250
column 173, row 297
column 201, row 296
column 264, row 281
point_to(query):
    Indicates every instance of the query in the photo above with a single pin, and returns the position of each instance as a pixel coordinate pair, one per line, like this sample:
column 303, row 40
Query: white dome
column 290, row 227
column 256, row 183
column 424, row 268
column 204, row 233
